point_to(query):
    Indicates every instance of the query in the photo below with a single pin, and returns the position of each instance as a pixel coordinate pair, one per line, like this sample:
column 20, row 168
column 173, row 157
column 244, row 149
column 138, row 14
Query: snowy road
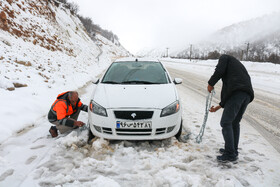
column 33, row 158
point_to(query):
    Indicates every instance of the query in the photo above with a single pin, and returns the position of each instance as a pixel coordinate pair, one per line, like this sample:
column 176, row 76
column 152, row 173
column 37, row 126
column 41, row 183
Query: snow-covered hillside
column 44, row 50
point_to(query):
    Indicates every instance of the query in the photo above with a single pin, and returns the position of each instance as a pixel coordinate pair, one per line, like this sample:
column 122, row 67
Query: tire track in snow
column 7, row 173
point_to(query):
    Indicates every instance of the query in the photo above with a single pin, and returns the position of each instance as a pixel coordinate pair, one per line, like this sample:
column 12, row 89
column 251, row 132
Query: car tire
column 180, row 131
column 90, row 136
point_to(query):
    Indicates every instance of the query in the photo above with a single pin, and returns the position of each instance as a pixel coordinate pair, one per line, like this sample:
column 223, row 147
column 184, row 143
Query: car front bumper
column 162, row 127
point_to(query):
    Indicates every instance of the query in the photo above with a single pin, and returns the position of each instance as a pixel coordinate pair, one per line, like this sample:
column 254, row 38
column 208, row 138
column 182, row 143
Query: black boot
column 222, row 151
column 226, row 158
column 53, row 131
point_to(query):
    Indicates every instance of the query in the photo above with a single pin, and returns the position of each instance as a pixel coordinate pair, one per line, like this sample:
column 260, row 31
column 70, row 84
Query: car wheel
column 180, row 131
column 90, row 136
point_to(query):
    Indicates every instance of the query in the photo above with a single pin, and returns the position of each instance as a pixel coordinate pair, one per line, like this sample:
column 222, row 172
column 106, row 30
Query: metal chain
column 84, row 127
column 208, row 106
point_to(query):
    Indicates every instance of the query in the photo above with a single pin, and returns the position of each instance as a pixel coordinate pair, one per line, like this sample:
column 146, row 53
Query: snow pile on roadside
column 44, row 52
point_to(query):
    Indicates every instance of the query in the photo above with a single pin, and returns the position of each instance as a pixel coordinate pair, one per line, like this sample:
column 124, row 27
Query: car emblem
column 133, row 115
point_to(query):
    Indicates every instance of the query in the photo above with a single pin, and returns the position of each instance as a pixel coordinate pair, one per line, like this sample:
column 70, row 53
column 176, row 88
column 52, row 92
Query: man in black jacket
column 236, row 94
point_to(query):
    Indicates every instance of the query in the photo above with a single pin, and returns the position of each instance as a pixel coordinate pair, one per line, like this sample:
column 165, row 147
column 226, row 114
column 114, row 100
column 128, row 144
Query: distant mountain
column 256, row 40
column 258, row 29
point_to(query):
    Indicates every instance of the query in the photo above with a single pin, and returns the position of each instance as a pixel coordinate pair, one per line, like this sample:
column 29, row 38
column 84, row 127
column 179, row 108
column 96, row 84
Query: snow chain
column 85, row 127
column 208, row 106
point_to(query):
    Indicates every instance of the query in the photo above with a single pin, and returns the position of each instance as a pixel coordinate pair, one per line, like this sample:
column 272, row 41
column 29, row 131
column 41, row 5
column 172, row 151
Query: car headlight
column 170, row 109
column 97, row 109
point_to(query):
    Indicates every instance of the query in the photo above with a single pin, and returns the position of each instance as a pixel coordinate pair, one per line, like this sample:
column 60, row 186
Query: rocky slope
column 41, row 38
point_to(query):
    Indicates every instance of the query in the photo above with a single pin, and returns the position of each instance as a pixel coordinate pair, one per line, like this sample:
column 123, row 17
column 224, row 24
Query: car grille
column 134, row 115
column 134, row 132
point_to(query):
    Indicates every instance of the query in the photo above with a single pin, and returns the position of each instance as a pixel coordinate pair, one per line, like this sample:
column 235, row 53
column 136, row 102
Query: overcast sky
column 170, row 23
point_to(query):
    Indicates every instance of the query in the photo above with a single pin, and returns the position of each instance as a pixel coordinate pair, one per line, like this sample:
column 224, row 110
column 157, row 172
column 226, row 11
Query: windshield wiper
column 110, row 82
column 138, row 82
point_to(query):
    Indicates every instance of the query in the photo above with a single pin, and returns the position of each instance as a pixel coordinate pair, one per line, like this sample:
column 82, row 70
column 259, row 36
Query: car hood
column 135, row 96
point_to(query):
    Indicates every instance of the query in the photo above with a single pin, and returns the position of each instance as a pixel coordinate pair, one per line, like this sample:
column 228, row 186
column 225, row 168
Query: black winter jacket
column 234, row 76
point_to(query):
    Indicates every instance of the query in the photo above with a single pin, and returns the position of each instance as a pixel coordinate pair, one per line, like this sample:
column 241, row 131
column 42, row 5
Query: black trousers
column 230, row 121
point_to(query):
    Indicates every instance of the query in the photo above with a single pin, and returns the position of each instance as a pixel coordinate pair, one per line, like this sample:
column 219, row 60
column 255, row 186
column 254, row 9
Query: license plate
column 133, row 125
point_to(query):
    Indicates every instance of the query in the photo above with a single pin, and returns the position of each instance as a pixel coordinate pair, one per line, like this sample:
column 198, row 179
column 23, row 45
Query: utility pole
column 167, row 52
column 191, row 52
column 242, row 54
column 247, row 51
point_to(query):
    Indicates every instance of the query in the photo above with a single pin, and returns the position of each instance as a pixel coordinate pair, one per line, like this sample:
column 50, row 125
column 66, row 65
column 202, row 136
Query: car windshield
column 136, row 73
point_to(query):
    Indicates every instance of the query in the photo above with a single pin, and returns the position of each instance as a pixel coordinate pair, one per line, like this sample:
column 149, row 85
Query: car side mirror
column 178, row 81
column 95, row 80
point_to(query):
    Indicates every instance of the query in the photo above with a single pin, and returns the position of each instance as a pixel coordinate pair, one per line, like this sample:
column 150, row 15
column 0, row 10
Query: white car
column 135, row 100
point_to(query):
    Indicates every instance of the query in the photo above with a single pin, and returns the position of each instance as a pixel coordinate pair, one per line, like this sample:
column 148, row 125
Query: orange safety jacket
column 62, row 109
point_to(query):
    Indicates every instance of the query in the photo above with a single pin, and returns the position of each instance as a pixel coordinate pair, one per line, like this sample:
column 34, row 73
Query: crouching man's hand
column 214, row 109
column 79, row 123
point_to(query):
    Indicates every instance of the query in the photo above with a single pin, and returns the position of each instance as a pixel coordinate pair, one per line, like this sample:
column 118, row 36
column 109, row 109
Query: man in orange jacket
column 65, row 111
